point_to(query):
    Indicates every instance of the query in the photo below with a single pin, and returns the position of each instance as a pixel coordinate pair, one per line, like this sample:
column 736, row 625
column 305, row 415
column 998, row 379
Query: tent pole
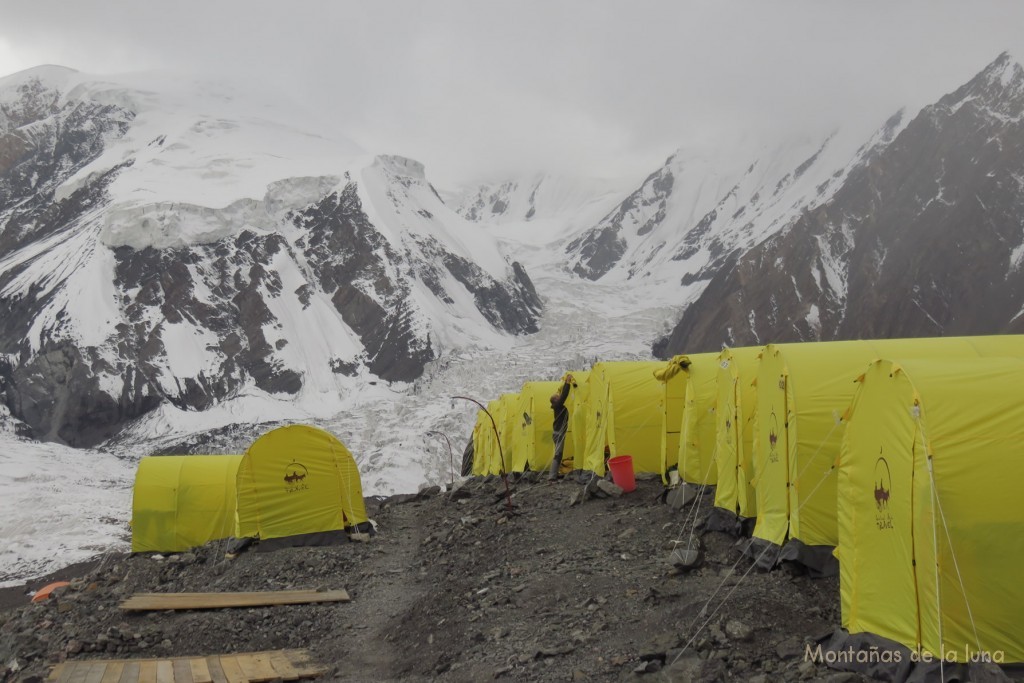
column 501, row 454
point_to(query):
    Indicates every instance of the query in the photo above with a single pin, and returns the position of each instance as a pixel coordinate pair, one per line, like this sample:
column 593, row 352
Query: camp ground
column 689, row 430
column 623, row 412
column 295, row 485
column 803, row 390
column 929, row 506
column 734, row 428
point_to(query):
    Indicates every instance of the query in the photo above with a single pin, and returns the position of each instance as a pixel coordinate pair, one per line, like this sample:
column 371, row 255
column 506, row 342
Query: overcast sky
column 597, row 87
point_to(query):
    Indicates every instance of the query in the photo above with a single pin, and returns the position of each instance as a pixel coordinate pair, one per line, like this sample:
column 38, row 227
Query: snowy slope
column 706, row 205
column 168, row 242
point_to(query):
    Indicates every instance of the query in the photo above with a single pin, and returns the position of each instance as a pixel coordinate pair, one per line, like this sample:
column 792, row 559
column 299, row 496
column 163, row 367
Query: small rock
column 626, row 534
column 790, row 648
column 805, row 669
column 686, row 557
column 681, row 496
column 73, row 647
column 737, row 630
column 609, row 488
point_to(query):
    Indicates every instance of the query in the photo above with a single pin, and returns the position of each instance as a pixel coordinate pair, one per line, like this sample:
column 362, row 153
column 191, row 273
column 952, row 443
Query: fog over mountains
column 177, row 258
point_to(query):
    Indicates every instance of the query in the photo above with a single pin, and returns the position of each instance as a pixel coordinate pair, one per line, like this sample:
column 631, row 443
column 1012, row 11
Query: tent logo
column 728, row 430
column 773, row 438
column 882, row 485
column 295, row 477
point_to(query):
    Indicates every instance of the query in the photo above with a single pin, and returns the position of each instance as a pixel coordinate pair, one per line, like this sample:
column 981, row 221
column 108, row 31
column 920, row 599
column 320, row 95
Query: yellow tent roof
column 298, row 480
column 802, row 392
column 183, row 501
column 932, row 460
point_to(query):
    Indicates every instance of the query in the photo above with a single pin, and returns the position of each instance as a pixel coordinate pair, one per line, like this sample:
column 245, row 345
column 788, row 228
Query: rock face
column 112, row 307
column 924, row 238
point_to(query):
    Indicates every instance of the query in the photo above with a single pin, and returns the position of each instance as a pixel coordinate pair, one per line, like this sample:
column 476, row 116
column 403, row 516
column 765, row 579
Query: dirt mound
column 454, row 588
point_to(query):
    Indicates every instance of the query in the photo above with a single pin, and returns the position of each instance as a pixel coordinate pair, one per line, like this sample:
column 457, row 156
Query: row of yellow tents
column 904, row 469
column 295, row 485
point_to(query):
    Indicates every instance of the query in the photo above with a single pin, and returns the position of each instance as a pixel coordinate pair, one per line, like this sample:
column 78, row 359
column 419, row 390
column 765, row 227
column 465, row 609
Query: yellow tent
column 623, row 410
column 487, row 457
column 734, row 421
column 508, row 428
column 183, row 501
column 576, row 436
column 481, row 446
column 691, row 392
column 802, row 392
column 298, row 483
column 930, row 512
column 535, row 418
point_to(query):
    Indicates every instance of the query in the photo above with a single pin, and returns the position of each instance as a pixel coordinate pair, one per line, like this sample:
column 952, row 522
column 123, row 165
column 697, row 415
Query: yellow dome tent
column 929, row 506
column 691, row 392
column 298, row 484
column 183, row 501
column 623, row 411
column 734, row 429
column 802, row 392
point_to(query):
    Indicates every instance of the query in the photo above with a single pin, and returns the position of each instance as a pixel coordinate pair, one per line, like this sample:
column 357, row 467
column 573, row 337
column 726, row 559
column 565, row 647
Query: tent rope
column 938, row 591
column 720, row 604
column 949, row 539
column 696, row 503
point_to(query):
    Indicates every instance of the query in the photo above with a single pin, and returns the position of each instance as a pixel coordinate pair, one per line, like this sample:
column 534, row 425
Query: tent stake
column 501, row 454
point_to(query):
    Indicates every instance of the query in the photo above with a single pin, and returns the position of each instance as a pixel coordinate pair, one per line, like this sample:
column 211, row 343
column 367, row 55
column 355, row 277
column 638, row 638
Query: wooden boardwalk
column 161, row 601
column 248, row 667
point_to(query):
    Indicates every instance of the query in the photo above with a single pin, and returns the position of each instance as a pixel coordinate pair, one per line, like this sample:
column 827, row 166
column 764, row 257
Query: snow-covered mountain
column 923, row 237
column 168, row 242
column 542, row 196
column 703, row 206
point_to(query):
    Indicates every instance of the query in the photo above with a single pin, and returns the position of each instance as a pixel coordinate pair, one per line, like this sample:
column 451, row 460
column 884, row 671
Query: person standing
column 561, row 424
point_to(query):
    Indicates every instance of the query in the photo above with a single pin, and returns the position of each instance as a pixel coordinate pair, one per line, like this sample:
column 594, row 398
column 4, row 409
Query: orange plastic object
column 45, row 591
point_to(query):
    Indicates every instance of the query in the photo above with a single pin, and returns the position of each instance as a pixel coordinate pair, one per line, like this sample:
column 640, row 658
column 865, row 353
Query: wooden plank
column 216, row 670
column 303, row 661
column 164, row 672
column 80, row 672
column 131, row 672
column 62, row 672
column 96, row 672
column 57, row 671
column 147, row 671
column 181, row 601
column 256, row 667
column 200, row 670
column 232, row 669
column 283, row 666
column 113, row 672
column 182, row 671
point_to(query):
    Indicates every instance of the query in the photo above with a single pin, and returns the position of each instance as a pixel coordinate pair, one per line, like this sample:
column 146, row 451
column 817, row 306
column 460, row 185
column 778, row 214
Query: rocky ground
column 454, row 588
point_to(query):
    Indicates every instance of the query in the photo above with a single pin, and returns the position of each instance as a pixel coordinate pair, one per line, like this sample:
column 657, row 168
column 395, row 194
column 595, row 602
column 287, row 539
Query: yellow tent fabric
column 576, row 436
column 508, row 428
column 481, row 447
column 183, row 501
column 689, row 416
column 734, row 430
column 298, row 480
column 932, row 460
column 802, row 392
column 623, row 410
column 534, row 445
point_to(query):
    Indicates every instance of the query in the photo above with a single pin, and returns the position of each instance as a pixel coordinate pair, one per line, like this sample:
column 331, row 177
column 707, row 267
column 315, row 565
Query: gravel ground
column 458, row 588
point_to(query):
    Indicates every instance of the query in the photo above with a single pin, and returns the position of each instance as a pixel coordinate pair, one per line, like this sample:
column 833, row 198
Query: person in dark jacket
column 561, row 424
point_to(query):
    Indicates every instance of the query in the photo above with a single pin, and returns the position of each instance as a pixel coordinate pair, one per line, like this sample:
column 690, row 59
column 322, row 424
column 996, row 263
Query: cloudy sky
column 602, row 87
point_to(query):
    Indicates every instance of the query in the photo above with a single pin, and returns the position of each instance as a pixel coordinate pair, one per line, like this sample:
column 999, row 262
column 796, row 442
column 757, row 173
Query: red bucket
column 622, row 472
